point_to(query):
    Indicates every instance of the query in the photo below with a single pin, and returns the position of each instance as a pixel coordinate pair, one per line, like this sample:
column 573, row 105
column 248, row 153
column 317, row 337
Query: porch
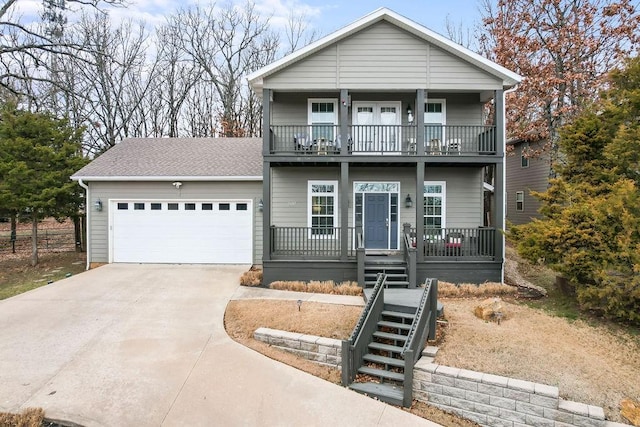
column 400, row 140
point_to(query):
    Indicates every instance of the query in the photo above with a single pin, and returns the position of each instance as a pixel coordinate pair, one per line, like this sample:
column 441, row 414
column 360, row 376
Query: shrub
column 251, row 278
column 30, row 417
column 488, row 289
column 317, row 287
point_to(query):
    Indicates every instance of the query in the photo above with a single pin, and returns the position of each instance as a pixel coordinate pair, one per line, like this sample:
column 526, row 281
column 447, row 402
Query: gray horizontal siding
column 382, row 56
column 105, row 191
column 464, row 192
column 535, row 177
column 462, row 108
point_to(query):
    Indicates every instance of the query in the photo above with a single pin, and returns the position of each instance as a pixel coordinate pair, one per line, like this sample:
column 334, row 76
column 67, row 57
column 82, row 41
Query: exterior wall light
column 408, row 202
column 98, row 205
column 260, row 205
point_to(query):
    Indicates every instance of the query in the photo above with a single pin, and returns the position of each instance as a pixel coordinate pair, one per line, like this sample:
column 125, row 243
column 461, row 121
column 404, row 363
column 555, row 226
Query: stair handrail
column 353, row 349
column 380, row 282
column 422, row 323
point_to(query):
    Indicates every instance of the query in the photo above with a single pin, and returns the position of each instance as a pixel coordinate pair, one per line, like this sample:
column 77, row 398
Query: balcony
column 302, row 243
column 458, row 243
column 392, row 140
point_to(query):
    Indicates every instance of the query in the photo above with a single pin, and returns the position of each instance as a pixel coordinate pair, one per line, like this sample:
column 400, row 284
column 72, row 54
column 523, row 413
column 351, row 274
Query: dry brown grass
column 589, row 364
column 252, row 277
column 439, row 416
column 30, row 417
column 326, row 287
column 484, row 290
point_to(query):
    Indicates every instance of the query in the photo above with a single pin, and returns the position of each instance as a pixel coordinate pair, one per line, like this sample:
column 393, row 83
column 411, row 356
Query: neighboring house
column 373, row 135
column 527, row 169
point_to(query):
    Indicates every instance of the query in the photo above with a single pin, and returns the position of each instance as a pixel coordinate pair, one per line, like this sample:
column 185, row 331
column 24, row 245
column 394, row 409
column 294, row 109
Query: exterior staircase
column 379, row 356
column 394, row 269
column 383, row 363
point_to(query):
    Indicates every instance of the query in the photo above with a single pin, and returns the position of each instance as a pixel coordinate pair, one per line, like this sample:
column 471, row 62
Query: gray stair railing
column 410, row 255
column 422, row 328
column 354, row 349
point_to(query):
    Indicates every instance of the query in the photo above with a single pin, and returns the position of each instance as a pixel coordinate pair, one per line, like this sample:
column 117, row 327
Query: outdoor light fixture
column 409, row 114
column 98, row 205
column 407, row 201
column 260, row 205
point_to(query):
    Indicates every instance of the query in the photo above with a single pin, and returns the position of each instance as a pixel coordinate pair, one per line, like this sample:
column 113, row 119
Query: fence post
column 433, row 309
column 408, row 379
column 346, row 362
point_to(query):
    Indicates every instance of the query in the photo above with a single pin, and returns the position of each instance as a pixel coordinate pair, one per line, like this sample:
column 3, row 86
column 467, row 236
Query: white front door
column 376, row 127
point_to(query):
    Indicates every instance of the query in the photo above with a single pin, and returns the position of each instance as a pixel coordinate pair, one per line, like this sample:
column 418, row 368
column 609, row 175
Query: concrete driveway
column 145, row 345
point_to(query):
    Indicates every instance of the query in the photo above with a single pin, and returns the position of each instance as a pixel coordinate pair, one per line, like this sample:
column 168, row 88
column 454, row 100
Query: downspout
column 504, row 171
column 88, row 224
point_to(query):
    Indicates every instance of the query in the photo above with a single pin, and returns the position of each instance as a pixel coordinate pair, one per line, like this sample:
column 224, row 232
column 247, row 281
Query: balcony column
column 419, row 205
column 344, row 121
column 499, row 184
column 266, row 175
column 419, row 120
column 344, row 210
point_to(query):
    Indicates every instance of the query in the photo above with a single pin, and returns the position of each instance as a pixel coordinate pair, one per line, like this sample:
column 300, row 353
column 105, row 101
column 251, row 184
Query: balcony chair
column 453, row 244
column 302, row 142
column 434, row 146
column 454, row 146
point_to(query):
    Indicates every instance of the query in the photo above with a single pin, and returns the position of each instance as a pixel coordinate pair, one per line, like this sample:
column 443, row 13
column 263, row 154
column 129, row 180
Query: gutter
column 88, row 222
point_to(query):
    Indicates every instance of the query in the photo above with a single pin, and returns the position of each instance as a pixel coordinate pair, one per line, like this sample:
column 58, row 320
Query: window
column 123, row 206
column 138, row 206
column 241, row 206
column 434, row 119
column 156, row 206
column 189, row 206
column 323, row 117
column 172, row 206
column 224, row 206
column 207, row 206
column 524, row 156
column 434, row 205
column 322, row 207
column 520, row 201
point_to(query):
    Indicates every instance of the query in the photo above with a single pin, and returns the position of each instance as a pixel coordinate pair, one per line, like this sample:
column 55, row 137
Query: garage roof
column 148, row 159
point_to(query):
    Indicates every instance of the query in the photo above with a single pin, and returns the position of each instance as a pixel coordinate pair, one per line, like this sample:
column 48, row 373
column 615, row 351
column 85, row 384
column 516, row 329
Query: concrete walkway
column 144, row 345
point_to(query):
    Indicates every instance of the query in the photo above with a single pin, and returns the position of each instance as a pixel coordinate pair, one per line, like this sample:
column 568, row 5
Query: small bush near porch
column 326, row 287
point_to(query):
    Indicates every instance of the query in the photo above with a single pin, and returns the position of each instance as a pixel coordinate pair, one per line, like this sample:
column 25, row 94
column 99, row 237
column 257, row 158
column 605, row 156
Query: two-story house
column 373, row 155
column 375, row 126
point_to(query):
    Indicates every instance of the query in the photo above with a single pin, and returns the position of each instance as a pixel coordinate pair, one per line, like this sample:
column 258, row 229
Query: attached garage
column 178, row 231
column 175, row 201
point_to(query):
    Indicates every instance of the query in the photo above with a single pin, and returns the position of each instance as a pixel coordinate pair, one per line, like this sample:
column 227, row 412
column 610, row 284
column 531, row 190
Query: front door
column 376, row 221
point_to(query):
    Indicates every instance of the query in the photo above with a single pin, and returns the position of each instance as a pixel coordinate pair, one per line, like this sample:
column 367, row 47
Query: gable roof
column 509, row 78
column 190, row 159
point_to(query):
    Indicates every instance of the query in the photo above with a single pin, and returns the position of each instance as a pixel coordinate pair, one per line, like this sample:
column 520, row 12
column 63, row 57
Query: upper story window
column 434, row 117
column 524, row 156
column 519, row 201
column 323, row 117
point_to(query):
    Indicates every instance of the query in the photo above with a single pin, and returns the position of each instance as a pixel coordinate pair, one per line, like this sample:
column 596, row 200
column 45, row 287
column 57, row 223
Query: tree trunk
column 77, row 232
column 14, row 225
column 34, row 239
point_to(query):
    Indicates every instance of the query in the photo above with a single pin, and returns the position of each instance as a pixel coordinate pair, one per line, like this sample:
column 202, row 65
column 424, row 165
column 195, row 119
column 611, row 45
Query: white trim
column 111, row 203
column 521, row 201
column 508, row 77
column 444, row 200
column 333, row 101
column 441, row 101
column 166, row 178
column 310, row 207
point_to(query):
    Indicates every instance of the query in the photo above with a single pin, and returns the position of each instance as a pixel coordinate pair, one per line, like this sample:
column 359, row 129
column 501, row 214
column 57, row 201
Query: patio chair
column 453, row 243
column 454, row 146
column 302, row 142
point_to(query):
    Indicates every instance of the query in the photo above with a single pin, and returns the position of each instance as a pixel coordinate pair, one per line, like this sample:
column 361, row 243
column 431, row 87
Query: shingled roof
column 140, row 159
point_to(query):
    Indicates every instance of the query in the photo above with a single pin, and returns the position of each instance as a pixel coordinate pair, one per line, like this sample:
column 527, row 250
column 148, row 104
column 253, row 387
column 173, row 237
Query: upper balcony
column 448, row 143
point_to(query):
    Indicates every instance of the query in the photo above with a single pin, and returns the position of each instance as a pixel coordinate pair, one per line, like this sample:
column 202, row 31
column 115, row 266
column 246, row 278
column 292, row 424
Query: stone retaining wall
column 325, row 351
column 489, row 400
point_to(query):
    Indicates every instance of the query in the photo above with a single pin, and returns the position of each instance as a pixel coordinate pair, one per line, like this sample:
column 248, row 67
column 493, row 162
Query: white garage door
column 186, row 232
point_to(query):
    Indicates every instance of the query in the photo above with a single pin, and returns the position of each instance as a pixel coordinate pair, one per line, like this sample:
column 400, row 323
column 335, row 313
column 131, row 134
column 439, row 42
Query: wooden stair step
column 388, row 324
column 385, row 392
column 381, row 373
column 389, row 336
column 386, row 347
column 398, row 314
column 383, row 360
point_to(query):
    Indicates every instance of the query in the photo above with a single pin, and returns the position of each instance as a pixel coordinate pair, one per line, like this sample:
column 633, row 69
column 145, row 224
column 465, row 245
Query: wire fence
column 48, row 240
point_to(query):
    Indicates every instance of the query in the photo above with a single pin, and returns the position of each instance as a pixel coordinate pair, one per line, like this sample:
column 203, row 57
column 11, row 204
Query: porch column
column 419, row 120
column 266, row 121
column 266, row 174
column 499, row 178
column 344, row 119
column 419, row 205
column 266, row 211
column 344, row 210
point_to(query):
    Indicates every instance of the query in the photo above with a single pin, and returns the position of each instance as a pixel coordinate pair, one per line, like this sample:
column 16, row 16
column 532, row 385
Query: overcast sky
column 324, row 15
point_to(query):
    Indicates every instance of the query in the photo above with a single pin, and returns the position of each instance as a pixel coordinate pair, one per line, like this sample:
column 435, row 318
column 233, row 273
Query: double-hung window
column 524, row 156
column 323, row 118
column 323, row 207
column 520, row 201
column 434, row 207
